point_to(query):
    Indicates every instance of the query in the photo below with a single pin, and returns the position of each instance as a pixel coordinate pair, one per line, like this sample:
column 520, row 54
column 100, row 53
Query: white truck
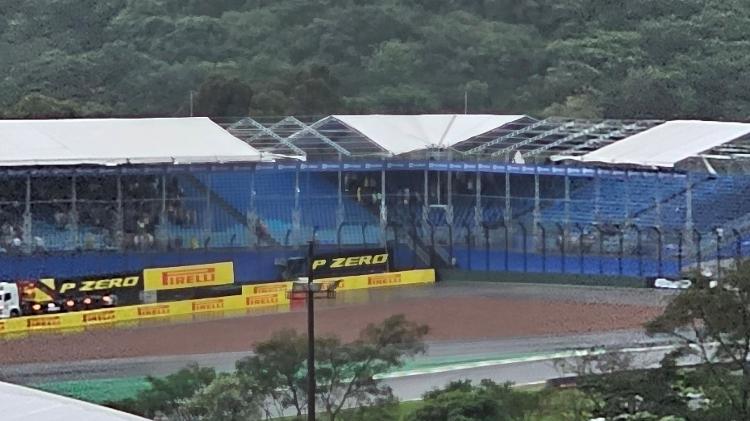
column 10, row 301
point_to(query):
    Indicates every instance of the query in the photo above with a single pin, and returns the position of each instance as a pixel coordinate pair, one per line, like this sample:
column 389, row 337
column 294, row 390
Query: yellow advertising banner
column 159, row 279
column 252, row 297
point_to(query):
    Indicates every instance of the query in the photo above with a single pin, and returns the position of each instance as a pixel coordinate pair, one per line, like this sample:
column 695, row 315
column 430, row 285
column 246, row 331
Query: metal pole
column 310, row 334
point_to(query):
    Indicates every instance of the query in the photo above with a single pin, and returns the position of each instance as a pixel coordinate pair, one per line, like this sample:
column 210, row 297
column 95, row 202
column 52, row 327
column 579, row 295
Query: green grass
column 97, row 391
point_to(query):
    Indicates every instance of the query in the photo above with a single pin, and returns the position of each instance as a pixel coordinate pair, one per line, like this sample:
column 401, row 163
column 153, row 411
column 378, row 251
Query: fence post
column 738, row 247
column 659, row 250
column 621, row 251
column 543, row 233
column 469, row 240
column 364, row 235
column 639, row 246
column 601, row 249
column 718, row 232
column 699, row 259
column 486, row 248
column 562, row 247
column 580, row 248
column 525, row 245
column 680, row 242
column 506, row 252
column 450, row 244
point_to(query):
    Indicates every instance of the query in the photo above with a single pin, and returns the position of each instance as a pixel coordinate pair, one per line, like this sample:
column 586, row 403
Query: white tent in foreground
column 400, row 134
column 120, row 141
column 666, row 144
column 22, row 403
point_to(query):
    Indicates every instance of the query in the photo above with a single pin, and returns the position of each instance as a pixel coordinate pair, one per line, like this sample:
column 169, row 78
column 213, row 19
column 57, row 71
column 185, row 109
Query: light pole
column 310, row 334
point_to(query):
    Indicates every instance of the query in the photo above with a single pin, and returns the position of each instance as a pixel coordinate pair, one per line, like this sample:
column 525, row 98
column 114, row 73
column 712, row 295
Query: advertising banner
column 358, row 262
column 127, row 287
column 194, row 276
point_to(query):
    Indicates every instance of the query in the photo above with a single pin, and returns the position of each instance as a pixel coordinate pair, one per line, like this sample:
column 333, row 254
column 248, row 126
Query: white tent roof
column 119, row 141
column 666, row 144
column 22, row 403
column 405, row 133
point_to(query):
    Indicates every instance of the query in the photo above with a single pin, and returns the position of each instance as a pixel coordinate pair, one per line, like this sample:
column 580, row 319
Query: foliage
column 223, row 400
column 460, row 400
column 587, row 58
column 345, row 372
column 712, row 322
column 166, row 395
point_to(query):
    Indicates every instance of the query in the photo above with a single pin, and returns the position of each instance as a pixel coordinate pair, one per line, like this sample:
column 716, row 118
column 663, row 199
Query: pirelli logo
column 267, row 289
column 188, row 277
column 210, row 305
column 161, row 310
column 100, row 317
column 260, row 300
column 385, row 279
column 194, row 276
column 43, row 322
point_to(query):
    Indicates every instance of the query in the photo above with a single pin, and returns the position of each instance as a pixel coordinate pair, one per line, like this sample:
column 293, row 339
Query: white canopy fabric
column 400, row 134
column 666, row 144
column 120, row 141
column 22, row 403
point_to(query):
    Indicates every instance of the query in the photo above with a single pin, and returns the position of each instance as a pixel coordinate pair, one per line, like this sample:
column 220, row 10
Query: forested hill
column 587, row 58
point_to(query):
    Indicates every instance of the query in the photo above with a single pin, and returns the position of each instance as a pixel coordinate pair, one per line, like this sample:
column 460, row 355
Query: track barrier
column 253, row 296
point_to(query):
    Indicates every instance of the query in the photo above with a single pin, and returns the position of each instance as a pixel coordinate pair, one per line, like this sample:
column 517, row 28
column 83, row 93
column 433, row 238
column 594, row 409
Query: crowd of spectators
column 93, row 215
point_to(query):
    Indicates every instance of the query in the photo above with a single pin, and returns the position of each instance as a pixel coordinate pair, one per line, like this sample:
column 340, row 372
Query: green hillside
column 587, row 58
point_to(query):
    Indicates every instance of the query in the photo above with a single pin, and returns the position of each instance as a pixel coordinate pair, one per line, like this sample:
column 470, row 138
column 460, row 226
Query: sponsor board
column 384, row 279
column 44, row 322
column 107, row 316
column 127, row 287
column 270, row 288
column 160, row 279
column 2, row 326
column 262, row 300
column 154, row 310
column 216, row 304
column 357, row 262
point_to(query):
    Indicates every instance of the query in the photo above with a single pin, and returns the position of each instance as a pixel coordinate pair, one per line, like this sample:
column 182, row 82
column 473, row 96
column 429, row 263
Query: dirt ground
column 460, row 314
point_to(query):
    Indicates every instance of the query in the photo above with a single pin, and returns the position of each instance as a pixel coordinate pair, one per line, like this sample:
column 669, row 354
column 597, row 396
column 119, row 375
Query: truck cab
column 10, row 302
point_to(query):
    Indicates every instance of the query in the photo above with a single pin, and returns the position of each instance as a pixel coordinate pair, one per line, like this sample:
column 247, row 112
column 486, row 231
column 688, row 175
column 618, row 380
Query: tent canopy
column 666, row 144
column 400, row 134
column 120, row 141
column 22, row 403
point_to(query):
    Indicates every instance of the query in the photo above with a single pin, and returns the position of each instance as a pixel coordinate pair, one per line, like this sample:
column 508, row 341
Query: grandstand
column 480, row 192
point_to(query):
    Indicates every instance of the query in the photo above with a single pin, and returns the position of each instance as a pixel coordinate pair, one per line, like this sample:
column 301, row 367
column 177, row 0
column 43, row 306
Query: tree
column 712, row 323
column 224, row 399
column 223, row 96
column 461, row 400
column 346, row 372
column 167, row 395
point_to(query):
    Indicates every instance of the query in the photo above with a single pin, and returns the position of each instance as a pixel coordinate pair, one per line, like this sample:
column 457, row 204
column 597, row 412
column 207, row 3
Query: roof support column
column 340, row 211
column 383, row 208
column 566, row 202
column 426, row 198
column 597, row 195
column 119, row 218
column 74, row 211
column 688, row 206
column 478, row 200
column 449, row 199
column 627, row 196
column 207, row 220
column 537, row 214
column 161, row 228
column 657, row 197
column 251, row 215
column 508, row 210
column 27, row 226
column 296, row 212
